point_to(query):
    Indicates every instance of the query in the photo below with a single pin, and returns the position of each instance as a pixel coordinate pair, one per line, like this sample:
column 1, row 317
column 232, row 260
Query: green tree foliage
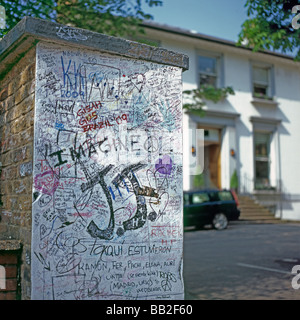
column 269, row 26
column 234, row 182
column 195, row 99
column 112, row 17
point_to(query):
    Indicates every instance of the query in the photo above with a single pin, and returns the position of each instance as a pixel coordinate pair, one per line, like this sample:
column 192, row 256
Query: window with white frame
column 262, row 81
column 208, row 70
column 262, row 159
column 266, row 152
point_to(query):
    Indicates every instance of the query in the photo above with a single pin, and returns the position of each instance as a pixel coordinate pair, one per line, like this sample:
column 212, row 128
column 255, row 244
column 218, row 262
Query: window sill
column 258, row 101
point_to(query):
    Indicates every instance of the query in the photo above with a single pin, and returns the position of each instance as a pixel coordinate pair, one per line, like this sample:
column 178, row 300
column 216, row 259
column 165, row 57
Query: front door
column 212, row 158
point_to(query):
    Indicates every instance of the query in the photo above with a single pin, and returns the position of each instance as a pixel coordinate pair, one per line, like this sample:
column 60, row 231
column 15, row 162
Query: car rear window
column 200, row 198
column 186, row 199
column 225, row 195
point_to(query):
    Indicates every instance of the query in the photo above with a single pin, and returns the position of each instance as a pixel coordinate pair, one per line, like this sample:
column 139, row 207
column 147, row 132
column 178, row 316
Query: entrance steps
column 252, row 211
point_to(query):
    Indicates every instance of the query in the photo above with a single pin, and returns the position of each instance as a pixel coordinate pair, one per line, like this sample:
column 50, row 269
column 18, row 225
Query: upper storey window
column 262, row 82
column 208, row 71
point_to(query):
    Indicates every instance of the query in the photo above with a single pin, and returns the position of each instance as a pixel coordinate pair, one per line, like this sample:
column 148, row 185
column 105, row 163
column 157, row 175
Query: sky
column 218, row 18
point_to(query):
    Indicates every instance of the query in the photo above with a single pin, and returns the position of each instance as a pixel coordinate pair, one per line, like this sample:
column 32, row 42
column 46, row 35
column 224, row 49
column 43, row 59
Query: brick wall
column 10, row 269
column 16, row 152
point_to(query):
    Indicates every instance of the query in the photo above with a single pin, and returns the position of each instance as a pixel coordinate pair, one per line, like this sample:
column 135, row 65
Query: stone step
column 256, row 215
column 250, row 204
column 253, row 217
column 242, row 203
column 253, row 209
column 259, row 221
column 254, row 212
column 248, row 201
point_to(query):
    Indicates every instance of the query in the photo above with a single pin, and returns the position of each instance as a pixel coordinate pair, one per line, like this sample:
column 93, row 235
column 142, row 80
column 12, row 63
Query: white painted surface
column 107, row 210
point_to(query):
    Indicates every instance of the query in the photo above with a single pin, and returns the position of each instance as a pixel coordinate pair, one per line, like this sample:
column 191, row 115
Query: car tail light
column 235, row 197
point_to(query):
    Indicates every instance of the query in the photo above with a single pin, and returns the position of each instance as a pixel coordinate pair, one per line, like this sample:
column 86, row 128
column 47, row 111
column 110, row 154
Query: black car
column 214, row 207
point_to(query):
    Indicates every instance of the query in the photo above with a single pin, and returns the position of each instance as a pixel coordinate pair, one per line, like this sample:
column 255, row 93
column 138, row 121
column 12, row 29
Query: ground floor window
column 262, row 160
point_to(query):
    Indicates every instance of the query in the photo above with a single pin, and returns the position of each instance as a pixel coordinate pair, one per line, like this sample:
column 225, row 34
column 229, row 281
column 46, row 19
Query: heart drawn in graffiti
column 138, row 80
column 160, row 203
column 46, row 182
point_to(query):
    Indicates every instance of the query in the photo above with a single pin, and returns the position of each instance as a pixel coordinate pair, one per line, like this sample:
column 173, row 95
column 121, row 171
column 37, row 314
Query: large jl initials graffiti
column 137, row 221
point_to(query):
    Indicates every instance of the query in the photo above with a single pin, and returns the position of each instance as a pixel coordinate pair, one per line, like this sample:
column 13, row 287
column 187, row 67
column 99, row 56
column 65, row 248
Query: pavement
column 258, row 268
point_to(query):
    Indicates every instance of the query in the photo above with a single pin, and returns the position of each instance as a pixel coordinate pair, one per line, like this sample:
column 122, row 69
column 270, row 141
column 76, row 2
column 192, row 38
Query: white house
column 255, row 132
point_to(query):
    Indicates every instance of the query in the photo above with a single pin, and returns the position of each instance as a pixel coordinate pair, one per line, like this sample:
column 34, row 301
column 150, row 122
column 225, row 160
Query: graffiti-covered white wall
column 107, row 177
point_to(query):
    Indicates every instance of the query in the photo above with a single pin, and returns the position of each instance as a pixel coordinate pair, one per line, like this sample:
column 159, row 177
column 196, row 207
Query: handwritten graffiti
column 107, row 170
column 68, row 33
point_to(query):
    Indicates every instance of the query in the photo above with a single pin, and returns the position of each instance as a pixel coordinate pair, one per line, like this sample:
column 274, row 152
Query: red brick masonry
column 10, row 260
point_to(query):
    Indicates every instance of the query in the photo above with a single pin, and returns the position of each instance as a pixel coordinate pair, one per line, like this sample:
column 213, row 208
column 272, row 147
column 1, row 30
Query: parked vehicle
column 215, row 207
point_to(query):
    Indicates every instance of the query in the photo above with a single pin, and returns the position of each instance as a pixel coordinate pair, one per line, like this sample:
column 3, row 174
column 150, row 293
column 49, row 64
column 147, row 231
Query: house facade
column 252, row 137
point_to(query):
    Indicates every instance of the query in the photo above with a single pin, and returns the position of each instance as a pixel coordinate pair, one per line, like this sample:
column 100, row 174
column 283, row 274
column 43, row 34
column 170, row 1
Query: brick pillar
column 16, row 152
column 91, row 159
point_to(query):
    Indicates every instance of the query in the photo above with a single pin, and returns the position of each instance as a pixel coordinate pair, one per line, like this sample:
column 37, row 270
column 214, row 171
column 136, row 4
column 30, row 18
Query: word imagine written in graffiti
column 107, row 177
